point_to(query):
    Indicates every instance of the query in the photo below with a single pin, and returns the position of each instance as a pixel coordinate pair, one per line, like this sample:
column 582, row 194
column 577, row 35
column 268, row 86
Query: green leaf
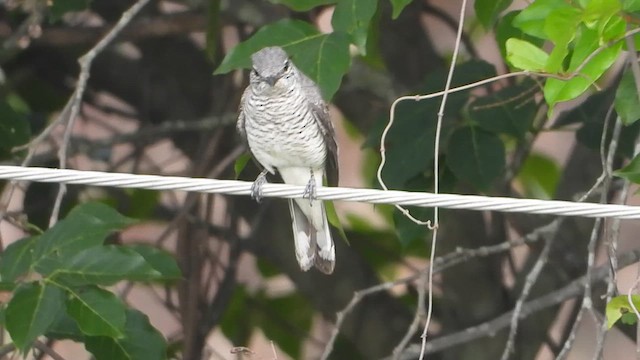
column 555, row 27
column 630, row 172
column 325, row 60
column 86, row 226
column 31, row 311
column 213, row 29
column 508, row 111
column 598, row 12
column 532, row 19
column 60, row 7
column 303, row 5
column 627, row 101
column 475, row 156
column 100, row 265
column 241, row 163
column 409, row 232
column 619, row 306
column 142, row 203
column 631, row 5
column 97, row 312
column 398, row 6
column 506, row 30
column 141, row 341
column 17, row 258
column 354, row 18
column 539, row 176
column 488, row 11
column 160, row 260
column 556, row 90
column 525, row 55
column 238, row 320
column 323, row 57
column 283, row 33
column 14, row 129
column 410, row 141
column 64, row 327
column 334, row 220
column 280, row 308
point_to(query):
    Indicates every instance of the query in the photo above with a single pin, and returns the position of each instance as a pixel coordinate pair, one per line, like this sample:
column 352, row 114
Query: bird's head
column 272, row 72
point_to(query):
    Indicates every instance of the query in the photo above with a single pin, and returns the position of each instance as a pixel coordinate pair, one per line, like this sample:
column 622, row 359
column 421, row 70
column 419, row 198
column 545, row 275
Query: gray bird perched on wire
column 287, row 127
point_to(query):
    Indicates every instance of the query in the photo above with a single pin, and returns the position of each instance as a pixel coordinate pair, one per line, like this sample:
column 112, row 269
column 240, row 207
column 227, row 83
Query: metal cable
column 233, row 187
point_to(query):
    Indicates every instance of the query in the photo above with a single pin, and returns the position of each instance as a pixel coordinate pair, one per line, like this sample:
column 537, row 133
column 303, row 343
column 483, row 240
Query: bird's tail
column 312, row 237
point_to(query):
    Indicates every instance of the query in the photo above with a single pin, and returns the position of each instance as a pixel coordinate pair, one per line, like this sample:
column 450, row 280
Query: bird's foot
column 310, row 190
column 256, row 188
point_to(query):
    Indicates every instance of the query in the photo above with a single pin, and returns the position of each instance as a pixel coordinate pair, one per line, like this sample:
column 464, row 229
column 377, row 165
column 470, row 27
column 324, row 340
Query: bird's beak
column 271, row 80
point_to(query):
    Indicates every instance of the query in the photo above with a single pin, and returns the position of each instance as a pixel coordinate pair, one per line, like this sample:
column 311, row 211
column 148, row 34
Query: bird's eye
column 254, row 72
column 286, row 65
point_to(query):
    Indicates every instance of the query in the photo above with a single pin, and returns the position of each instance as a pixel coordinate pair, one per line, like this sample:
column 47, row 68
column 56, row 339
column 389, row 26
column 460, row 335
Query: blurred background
column 153, row 106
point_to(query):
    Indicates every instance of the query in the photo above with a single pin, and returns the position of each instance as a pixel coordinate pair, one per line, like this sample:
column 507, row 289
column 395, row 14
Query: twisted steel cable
column 233, row 187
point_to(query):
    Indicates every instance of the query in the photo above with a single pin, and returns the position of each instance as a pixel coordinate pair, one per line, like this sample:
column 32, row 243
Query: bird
column 286, row 124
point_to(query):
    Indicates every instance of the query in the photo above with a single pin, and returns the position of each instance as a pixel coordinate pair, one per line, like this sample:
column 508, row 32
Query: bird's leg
column 310, row 190
column 256, row 188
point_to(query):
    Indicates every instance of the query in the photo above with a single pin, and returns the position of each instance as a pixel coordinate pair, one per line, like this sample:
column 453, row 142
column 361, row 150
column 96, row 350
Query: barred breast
column 281, row 132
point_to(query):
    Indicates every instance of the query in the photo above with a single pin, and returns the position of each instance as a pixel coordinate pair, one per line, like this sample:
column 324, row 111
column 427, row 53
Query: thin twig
column 491, row 327
column 442, row 263
column 76, row 98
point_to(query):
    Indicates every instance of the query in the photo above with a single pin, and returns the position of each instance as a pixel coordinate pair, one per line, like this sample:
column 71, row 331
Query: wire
column 233, row 187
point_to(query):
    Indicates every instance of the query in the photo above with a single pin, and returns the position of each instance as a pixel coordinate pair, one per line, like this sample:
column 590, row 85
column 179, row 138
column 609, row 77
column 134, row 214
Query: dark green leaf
column 539, row 176
column 334, row 220
column 303, row 5
column 160, row 260
column 475, row 156
column 7, row 286
column 323, row 57
column 398, row 6
column 60, row 7
column 101, row 265
column 17, row 258
column 410, row 141
column 280, row 308
column 354, row 18
column 630, row 172
column 627, row 102
column 508, row 111
column 213, row 29
column 64, row 327
column 409, row 232
column 142, row 203
column 14, row 129
column 140, row 342
column 488, row 11
column 239, row 320
column 97, row 312
column 282, row 33
column 32, row 309
column 86, row 226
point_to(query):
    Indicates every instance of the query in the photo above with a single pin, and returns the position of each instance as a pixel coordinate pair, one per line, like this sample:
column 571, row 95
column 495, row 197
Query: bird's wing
column 320, row 112
column 241, row 119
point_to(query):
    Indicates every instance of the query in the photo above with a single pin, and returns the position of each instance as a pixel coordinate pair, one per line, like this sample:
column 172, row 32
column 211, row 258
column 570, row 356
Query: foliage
column 67, row 301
